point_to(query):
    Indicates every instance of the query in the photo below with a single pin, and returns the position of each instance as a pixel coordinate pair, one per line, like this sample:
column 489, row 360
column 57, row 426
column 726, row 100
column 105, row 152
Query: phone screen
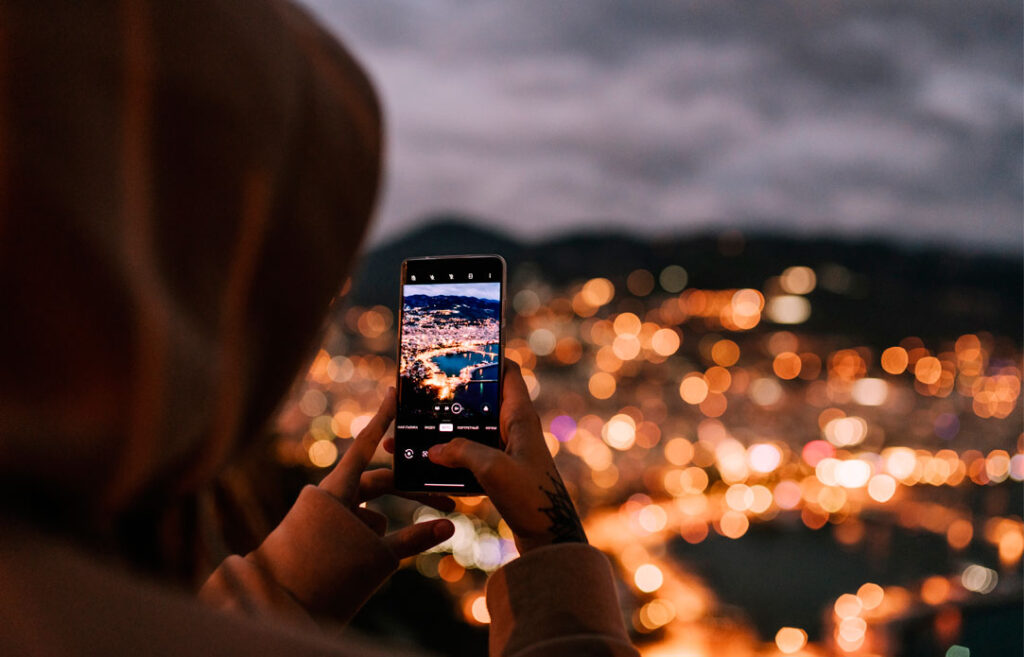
column 450, row 356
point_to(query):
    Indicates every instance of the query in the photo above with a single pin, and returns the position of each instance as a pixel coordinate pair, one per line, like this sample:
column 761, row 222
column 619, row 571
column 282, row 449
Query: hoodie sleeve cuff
column 325, row 556
column 552, row 595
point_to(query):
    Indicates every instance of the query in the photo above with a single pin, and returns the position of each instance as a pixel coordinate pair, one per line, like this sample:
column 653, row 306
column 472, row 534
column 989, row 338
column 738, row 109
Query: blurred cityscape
column 781, row 449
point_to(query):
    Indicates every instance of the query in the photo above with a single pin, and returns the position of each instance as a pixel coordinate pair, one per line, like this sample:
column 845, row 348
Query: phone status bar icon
column 451, row 277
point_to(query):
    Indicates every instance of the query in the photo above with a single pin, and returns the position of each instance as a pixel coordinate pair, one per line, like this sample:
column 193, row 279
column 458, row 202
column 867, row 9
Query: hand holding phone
column 351, row 484
column 521, row 480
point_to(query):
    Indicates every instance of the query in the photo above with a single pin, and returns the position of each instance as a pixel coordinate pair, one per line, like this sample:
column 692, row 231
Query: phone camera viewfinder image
column 449, row 360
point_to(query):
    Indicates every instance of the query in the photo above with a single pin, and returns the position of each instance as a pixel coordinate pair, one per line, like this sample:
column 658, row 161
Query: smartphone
column 451, row 348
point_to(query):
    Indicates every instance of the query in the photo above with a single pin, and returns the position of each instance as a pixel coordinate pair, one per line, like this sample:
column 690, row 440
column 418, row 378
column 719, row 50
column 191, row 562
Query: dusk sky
column 900, row 119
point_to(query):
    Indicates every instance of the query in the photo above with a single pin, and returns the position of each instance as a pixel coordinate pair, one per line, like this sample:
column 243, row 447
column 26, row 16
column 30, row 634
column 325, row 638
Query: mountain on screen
column 471, row 308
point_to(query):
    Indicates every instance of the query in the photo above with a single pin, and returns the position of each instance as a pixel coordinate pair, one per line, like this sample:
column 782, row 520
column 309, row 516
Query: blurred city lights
column 764, row 457
column 870, row 392
column 648, row 578
column 693, row 389
column 673, row 278
column 479, row 610
column 979, row 579
column 881, row 488
column 870, row 595
column 789, row 309
column 790, row 639
column 798, row 280
column 725, row 353
column 323, row 453
column 682, row 415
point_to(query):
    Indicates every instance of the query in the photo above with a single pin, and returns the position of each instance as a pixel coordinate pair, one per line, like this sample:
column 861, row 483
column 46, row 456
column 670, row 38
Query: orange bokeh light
column 725, row 353
column 787, row 365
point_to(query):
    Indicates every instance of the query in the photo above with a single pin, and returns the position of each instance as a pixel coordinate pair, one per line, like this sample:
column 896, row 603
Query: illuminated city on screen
column 450, row 339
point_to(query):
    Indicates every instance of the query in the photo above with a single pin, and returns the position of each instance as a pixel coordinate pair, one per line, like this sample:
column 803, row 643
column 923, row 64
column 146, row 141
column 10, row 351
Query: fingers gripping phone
column 450, row 365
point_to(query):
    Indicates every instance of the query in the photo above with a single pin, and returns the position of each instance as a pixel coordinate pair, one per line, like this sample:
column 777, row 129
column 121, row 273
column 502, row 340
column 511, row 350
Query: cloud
column 901, row 120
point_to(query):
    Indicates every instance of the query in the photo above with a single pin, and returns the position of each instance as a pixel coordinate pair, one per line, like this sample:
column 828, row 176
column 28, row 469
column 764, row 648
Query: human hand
column 352, row 486
column 521, row 480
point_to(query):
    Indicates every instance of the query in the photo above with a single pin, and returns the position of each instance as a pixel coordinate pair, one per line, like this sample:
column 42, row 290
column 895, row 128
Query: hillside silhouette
column 888, row 292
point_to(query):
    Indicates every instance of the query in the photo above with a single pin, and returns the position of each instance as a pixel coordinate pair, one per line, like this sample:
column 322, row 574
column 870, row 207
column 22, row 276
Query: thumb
column 461, row 453
column 419, row 537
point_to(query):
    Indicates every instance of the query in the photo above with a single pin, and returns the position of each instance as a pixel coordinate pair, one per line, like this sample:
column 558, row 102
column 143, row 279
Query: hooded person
column 182, row 189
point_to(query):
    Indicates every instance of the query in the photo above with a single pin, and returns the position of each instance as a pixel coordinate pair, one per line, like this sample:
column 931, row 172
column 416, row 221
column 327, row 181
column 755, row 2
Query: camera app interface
column 449, row 361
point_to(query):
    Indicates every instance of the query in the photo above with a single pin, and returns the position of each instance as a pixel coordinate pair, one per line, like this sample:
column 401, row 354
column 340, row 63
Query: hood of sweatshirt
column 181, row 195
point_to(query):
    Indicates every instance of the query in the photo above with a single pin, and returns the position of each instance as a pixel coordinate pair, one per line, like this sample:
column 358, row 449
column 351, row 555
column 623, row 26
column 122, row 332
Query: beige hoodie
column 182, row 187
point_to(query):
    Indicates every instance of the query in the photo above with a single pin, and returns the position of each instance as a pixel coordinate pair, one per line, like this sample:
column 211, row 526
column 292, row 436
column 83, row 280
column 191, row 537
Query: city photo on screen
column 450, row 346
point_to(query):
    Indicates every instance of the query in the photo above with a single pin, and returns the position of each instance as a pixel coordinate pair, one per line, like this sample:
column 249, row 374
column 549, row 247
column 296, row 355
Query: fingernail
column 443, row 530
column 436, row 450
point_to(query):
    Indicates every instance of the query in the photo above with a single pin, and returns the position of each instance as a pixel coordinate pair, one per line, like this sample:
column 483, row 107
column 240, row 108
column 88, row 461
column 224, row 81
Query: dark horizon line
column 1011, row 249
